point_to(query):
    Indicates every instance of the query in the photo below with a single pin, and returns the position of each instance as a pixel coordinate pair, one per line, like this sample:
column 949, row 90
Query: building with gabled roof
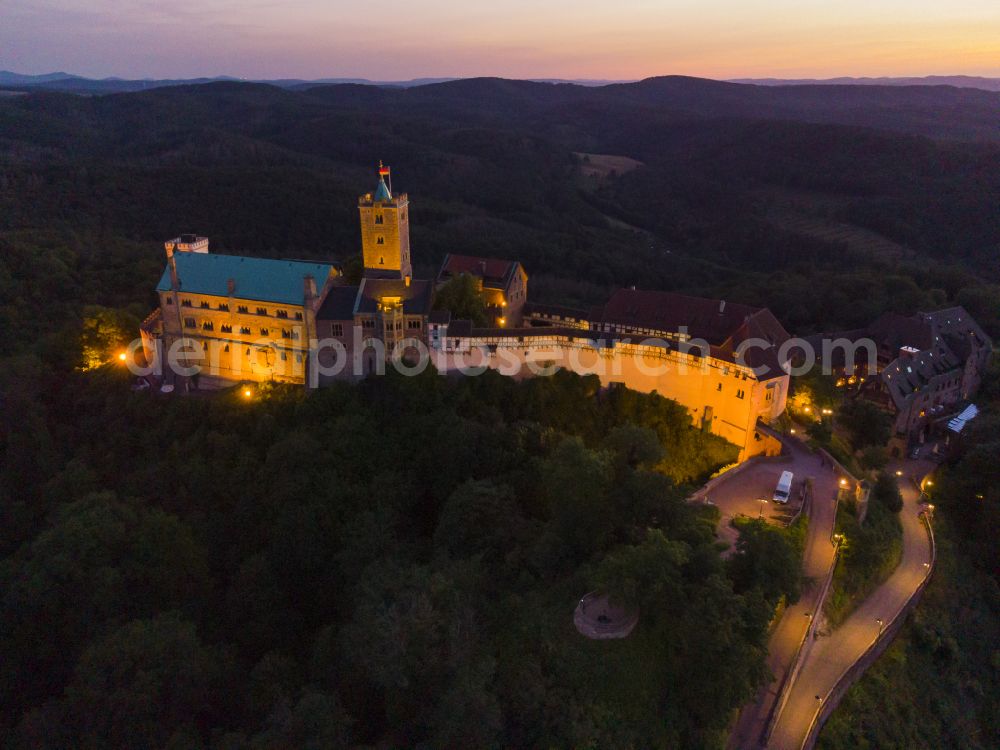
column 688, row 349
column 248, row 319
column 502, row 284
column 248, row 279
column 926, row 367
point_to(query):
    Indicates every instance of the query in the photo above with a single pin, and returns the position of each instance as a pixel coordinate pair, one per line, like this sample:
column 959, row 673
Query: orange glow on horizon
column 627, row 40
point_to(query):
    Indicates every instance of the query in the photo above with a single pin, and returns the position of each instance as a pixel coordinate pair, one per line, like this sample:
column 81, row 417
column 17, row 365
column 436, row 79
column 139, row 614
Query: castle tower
column 385, row 230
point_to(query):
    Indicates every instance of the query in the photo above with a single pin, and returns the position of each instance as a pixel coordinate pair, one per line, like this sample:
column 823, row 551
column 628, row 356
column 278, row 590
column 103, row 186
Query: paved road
column 826, row 659
column 741, row 496
column 817, row 559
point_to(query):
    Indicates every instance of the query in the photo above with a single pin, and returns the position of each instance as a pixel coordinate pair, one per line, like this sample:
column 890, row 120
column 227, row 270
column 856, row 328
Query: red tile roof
column 716, row 321
column 495, row 269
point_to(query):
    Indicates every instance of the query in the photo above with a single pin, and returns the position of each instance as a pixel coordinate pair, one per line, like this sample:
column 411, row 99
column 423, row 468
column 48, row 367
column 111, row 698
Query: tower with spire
column 385, row 230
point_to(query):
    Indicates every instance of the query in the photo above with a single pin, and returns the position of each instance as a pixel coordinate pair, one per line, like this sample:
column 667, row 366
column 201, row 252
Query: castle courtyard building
column 237, row 318
column 502, row 284
column 252, row 320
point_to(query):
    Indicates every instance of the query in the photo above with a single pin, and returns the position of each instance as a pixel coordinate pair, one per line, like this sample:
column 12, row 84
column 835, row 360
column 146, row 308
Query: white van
column 784, row 488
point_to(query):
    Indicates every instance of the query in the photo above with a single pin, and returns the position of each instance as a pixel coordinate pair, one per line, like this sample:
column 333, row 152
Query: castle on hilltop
column 224, row 320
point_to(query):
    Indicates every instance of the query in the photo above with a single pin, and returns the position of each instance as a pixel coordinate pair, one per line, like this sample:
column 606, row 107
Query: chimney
column 175, row 281
column 482, row 267
column 231, row 286
column 722, row 306
column 406, row 280
column 309, row 287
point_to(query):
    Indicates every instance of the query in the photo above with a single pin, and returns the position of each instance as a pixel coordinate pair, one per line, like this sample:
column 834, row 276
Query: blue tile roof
column 258, row 279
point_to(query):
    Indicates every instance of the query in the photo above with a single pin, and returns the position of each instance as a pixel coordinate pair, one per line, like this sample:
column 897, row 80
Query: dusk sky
column 393, row 39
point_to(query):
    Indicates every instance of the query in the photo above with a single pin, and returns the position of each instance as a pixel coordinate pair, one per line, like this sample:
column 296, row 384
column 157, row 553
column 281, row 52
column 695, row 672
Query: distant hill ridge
column 970, row 82
column 636, row 111
column 69, row 82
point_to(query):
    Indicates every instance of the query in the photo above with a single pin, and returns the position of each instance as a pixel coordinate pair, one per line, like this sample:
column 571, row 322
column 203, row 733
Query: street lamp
column 899, row 472
column 122, row 356
column 881, row 624
column 763, row 502
column 247, row 393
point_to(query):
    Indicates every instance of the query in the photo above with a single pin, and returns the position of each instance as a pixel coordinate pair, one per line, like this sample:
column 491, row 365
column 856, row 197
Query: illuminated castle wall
column 252, row 319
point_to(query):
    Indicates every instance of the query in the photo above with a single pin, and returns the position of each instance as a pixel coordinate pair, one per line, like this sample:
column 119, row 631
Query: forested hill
column 396, row 563
column 754, row 193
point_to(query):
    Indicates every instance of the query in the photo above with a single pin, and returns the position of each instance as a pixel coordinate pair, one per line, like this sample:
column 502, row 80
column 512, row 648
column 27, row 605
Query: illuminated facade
column 251, row 320
column 686, row 349
column 237, row 319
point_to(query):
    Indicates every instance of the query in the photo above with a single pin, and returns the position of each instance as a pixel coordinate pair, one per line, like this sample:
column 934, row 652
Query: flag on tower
column 383, row 170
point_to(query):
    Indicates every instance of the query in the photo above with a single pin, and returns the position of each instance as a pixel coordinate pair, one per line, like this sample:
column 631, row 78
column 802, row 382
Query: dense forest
column 396, row 563
column 392, row 563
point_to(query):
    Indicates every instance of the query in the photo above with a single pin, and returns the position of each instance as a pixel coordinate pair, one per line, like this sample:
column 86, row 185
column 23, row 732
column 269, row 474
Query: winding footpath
column 825, row 660
column 817, row 559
